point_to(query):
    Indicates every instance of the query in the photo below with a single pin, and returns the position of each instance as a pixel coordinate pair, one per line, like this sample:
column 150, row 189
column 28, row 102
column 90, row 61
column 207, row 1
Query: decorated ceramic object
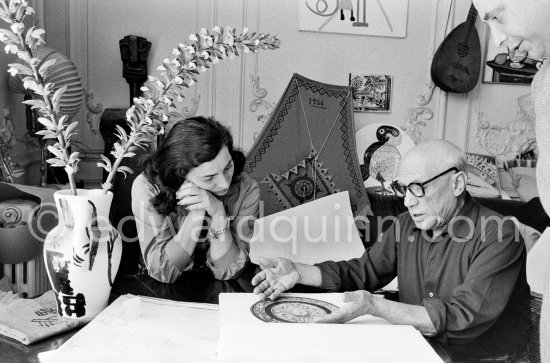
column 82, row 253
column 291, row 309
column 380, row 148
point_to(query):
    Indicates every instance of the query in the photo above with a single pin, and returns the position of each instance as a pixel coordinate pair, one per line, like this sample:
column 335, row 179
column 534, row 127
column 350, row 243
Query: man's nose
column 410, row 199
column 499, row 37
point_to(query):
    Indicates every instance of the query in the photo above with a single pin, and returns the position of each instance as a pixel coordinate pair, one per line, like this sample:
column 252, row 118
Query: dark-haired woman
column 193, row 205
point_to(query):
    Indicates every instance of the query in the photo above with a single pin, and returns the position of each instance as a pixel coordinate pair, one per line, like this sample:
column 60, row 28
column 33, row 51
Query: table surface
column 192, row 286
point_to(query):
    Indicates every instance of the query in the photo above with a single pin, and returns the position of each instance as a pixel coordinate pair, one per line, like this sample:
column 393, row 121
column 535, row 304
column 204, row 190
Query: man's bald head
column 438, row 155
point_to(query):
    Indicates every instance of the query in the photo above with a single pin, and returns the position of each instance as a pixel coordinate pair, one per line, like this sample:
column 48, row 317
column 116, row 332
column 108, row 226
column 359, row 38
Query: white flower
column 176, row 52
column 191, row 82
column 175, row 62
column 245, row 30
column 3, row 38
column 216, row 29
column 190, row 49
column 164, row 118
column 13, row 71
column 227, row 37
column 203, row 32
column 246, row 50
column 180, row 98
column 17, row 27
column 161, row 68
column 178, row 80
column 144, row 88
column 193, row 38
column 167, row 100
column 256, row 42
column 11, row 48
column 181, row 45
column 205, row 55
column 191, row 65
column 130, row 112
column 166, row 60
column 215, row 60
column 37, row 33
column 29, row 11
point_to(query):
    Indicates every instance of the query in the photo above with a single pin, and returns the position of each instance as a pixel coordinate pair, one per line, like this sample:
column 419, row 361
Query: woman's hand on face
column 194, row 198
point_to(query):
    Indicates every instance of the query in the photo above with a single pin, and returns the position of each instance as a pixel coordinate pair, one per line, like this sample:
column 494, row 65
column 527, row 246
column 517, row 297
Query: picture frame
column 496, row 65
column 371, row 93
column 386, row 18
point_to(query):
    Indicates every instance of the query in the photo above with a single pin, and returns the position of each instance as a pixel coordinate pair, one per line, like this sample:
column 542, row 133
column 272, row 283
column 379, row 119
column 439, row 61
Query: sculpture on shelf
column 133, row 52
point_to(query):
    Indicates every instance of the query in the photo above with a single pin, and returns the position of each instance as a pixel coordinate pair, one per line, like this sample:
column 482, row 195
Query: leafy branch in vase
column 24, row 42
column 148, row 113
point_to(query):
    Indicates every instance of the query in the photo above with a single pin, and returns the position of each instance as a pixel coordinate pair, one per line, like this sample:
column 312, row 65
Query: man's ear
column 460, row 182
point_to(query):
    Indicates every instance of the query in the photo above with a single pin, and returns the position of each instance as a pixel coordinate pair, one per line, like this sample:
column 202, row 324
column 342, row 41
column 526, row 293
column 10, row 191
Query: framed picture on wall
column 371, row 93
column 499, row 68
column 386, row 18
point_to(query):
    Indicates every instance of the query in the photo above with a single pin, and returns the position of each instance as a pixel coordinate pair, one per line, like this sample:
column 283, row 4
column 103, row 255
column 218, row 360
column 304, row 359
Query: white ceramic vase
column 82, row 253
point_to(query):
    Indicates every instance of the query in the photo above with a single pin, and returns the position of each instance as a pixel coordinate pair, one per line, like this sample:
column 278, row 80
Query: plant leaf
column 58, row 153
column 124, row 170
column 47, row 123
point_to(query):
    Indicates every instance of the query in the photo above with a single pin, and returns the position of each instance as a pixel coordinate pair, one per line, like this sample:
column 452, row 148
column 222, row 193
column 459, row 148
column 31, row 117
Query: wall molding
column 416, row 122
column 259, row 100
column 514, row 137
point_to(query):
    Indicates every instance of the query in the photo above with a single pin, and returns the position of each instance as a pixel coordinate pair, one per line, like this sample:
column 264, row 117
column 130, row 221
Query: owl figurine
column 382, row 158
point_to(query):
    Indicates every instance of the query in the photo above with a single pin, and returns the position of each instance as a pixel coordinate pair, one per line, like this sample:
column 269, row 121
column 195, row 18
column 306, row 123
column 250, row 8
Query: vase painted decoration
column 82, row 253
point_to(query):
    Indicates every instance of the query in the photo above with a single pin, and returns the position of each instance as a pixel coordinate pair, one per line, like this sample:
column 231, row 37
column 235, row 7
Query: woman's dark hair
column 189, row 143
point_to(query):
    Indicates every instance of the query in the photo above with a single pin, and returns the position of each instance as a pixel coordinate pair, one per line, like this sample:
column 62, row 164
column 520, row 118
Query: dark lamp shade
column 62, row 73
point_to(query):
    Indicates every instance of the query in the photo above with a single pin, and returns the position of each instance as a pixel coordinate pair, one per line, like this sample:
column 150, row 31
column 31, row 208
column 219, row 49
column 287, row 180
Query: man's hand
column 194, row 198
column 277, row 275
column 358, row 303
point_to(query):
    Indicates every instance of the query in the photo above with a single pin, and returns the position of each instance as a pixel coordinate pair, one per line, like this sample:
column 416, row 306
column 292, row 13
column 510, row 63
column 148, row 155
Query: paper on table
column 317, row 231
column 145, row 330
column 244, row 338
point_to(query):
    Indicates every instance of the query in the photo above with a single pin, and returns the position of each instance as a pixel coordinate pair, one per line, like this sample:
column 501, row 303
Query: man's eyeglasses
column 416, row 189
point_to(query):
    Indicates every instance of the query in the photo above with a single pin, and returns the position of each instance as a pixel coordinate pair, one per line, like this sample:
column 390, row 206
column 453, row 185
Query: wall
column 88, row 31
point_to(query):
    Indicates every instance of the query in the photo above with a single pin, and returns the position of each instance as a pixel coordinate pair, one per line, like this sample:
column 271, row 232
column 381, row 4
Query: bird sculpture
column 382, row 158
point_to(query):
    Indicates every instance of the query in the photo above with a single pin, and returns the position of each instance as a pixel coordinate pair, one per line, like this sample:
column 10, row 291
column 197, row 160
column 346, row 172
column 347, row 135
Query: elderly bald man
column 460, row 266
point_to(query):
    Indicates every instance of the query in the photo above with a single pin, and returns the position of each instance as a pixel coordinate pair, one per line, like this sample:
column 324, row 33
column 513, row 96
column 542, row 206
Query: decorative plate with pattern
column 291, row 309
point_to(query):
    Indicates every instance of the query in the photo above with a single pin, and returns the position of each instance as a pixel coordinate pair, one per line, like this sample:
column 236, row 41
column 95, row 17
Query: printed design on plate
column 303, row 183
column 289, row 309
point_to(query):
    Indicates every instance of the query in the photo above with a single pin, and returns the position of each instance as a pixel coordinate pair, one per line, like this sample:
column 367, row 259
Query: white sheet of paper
column 317, row 231
column 245, row 338
column 151, row 330
column 538, row 260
